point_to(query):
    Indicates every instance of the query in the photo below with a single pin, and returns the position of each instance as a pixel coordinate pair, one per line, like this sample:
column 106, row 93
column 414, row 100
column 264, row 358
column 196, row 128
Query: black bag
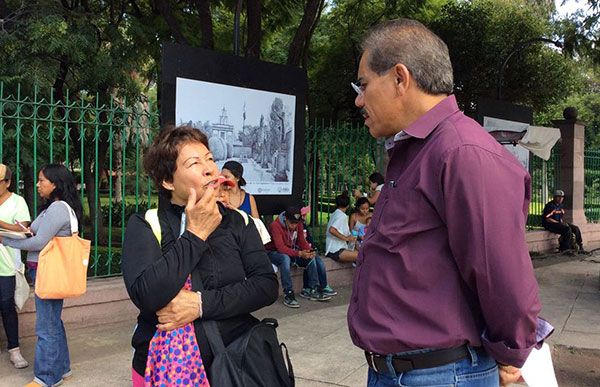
column 254, row 359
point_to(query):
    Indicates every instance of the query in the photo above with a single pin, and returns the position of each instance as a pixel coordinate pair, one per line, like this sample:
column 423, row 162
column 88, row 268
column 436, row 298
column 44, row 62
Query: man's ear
column 168, row 185
column 402, row 78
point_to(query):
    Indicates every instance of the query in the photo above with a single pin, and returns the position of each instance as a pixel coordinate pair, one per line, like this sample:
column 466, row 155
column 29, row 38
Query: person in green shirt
column 13, row 208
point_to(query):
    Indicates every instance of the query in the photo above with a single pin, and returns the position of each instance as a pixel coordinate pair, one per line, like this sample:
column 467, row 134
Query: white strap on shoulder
column 72, row 218
column 151, row 217
column 244, row 215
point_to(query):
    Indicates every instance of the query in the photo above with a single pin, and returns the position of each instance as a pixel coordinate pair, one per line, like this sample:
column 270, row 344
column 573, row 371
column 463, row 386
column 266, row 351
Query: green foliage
column 587, row 103
column 480, row 34
column 118, row 209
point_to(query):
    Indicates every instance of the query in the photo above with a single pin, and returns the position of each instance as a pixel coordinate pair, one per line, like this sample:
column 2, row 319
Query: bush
column 117, row 210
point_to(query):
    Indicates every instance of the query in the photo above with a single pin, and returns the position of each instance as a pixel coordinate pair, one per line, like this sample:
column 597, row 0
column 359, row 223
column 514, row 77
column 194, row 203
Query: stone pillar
column 571, row 165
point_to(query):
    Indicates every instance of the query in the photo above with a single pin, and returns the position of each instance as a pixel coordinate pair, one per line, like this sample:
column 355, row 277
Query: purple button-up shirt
column 445, row 261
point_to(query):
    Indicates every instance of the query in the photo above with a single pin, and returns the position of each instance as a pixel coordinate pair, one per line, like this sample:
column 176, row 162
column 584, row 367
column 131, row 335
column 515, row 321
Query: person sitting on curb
column 288, row 245
column 327, row 290
column 552, row 220
column 339, row 243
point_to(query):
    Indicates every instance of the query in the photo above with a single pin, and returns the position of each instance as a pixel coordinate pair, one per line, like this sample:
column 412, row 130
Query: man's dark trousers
column 565, row 230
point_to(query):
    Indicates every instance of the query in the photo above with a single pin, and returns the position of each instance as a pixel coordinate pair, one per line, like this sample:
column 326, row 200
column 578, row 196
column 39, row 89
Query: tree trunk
column 89, row 169
column 253, row 17
column 304, row 32
column 206, row 27
column 3, row 9
column 164, row 8
column 312, row 31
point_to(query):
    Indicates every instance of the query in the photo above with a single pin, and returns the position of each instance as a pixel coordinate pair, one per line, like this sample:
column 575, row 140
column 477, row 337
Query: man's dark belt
column 416, row 361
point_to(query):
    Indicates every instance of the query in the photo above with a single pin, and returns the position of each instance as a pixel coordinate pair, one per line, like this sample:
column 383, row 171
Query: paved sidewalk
column 317, row 336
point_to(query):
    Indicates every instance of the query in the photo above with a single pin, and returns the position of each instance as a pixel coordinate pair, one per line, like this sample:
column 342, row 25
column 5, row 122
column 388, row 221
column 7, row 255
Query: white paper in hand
column 538, row 370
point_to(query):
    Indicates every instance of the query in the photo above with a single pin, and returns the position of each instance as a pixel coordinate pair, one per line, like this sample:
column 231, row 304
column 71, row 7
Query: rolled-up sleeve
column 486, row 200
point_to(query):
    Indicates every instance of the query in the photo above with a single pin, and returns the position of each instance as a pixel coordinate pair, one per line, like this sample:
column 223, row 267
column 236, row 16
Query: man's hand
column 307, row 254
column 509, row 375
column 203, row 216
column 182, row 309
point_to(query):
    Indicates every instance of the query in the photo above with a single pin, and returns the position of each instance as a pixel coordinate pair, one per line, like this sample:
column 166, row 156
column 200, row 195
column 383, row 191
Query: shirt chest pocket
column 406, row 212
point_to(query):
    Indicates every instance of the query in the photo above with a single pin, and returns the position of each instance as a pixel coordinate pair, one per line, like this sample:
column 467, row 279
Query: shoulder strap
column 72, row 218
column 244, row 215
column 151, row 217
column 212, row 330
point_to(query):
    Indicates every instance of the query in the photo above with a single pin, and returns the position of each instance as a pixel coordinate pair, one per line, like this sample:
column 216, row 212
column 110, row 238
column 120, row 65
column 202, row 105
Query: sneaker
column 67, row 374
column 17, row 359
column 317, row 295
column 328, row 291
column 290, row 301
column 306, row 293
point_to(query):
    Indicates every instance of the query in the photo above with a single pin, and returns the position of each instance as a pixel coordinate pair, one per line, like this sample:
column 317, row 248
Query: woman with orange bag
column 57, row 187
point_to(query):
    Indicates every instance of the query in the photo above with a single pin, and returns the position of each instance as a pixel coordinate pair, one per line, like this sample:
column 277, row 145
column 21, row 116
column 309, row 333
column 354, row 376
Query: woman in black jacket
column 200, row 239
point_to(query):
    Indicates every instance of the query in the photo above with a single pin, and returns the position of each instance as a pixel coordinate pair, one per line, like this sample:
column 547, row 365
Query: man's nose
column 359, row 101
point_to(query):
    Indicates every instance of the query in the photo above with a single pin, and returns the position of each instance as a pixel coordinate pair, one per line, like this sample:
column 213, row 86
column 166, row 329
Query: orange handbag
column 62, row 265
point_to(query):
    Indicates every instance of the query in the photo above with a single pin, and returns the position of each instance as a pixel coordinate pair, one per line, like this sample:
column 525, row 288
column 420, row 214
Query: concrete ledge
column 542, row 241
column 105, row 301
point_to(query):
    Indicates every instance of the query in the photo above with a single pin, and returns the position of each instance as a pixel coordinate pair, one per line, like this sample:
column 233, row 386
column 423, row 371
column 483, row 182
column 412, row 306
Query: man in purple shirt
column 444, row 291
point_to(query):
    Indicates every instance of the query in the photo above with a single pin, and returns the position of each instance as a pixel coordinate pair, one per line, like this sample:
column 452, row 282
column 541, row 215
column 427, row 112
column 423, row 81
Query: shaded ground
column 576, row 367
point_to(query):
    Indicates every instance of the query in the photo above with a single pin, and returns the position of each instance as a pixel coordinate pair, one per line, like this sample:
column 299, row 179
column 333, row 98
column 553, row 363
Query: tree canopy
column 113, row 46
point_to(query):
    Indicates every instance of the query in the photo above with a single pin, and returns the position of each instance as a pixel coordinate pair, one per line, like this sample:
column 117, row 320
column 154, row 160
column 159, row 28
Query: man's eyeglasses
column 357, row 88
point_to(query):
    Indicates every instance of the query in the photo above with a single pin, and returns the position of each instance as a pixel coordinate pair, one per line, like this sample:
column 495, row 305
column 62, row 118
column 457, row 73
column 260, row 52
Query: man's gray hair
column 412, row 44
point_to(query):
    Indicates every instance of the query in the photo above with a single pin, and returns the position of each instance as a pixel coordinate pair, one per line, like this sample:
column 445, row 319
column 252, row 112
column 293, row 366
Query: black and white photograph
column 253, row 127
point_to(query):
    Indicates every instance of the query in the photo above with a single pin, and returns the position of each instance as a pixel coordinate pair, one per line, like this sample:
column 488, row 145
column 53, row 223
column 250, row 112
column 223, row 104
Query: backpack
column 255, row 359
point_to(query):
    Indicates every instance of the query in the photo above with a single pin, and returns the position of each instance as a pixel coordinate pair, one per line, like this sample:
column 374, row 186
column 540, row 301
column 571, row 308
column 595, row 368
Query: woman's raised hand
column 203, row 216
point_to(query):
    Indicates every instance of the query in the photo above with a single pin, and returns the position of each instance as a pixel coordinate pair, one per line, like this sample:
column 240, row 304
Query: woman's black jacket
column 235, row 271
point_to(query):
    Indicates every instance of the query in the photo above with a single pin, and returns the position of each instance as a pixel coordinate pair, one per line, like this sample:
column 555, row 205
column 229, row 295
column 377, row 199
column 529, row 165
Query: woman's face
column 364, row 209
column 195, row 168
column 373, row 184
column 44, row 186
column 4, row 184
column 228, row 175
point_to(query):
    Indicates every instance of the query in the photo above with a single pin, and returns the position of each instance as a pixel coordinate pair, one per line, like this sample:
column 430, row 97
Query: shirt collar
column 425, row 124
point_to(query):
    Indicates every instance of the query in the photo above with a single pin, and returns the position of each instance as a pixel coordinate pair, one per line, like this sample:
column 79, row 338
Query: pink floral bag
column 174, row 357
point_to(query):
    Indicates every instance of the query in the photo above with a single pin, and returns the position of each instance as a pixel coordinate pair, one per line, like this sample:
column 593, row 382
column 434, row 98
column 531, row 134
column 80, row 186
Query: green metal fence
column 339, row 157
column 591, row 201
column 545, row 178
column 100, row 139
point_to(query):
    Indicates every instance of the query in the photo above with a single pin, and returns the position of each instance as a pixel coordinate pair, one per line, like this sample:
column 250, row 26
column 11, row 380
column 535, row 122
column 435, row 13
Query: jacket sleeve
column 54, row 219
column 486, row 210
column 154, row 278
column 302, row 242
column 278, row 241
column 259, row 289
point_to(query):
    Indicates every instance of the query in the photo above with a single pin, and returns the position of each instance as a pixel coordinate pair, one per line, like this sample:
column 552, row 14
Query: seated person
column 304, row 211
column 339, row 243
column 376, row 181
column 552, row 220
column 359, row 219
column 288, row 245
